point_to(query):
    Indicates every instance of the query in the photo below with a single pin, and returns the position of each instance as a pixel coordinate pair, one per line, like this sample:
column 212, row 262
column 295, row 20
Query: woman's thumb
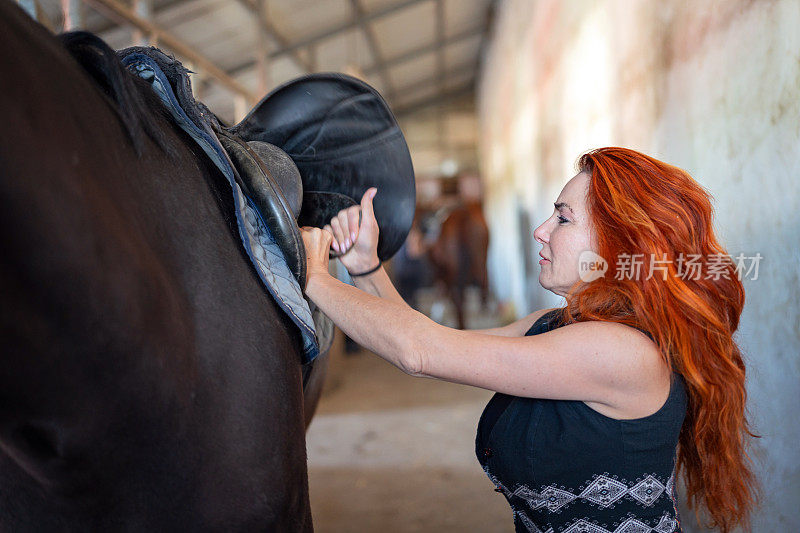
column 366, row 203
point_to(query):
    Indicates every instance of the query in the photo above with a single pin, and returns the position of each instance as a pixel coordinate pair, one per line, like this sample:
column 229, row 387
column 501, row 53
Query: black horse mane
column 138, row 106
column 136, row 103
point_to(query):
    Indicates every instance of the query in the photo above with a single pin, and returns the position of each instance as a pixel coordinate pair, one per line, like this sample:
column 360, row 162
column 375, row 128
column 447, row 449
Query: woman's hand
column 359, row 243
column 317, row 242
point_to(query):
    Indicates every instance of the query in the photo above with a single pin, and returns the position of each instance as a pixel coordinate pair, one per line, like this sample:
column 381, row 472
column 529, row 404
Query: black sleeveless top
column 564, row 467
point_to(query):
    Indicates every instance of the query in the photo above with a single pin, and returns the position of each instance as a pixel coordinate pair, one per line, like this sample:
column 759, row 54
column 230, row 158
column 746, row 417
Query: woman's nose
column 541, row 234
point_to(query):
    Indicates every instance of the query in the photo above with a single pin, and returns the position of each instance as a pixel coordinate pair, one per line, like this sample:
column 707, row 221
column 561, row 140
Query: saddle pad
column 258, row 242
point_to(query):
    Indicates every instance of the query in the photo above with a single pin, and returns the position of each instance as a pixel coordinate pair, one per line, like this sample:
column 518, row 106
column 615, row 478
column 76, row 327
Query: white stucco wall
column 712, row 87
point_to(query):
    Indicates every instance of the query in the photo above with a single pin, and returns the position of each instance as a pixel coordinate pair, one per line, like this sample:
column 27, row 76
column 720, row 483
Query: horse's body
column 148, row 382
column 459, row 255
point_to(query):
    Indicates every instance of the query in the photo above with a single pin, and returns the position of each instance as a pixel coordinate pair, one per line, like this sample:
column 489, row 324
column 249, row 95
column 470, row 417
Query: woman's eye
column 562, row 220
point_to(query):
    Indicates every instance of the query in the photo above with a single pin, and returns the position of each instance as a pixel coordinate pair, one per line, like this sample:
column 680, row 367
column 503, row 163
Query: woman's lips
column 543, row 261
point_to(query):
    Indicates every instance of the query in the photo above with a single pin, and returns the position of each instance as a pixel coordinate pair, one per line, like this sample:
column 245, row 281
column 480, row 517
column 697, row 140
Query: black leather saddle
column 308, row 149
column 343, row 139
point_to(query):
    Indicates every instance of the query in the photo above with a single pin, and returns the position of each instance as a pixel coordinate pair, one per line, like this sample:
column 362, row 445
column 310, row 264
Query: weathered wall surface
column 712, row 87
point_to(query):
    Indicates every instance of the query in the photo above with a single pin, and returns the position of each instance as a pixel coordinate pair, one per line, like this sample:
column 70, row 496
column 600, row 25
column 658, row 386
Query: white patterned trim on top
column 604, row 491
column 666, row 524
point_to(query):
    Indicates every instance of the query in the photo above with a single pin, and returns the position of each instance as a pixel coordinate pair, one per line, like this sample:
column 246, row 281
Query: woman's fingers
column 344, row 223
column 316, row 240
column 353, row 214
column 345, row 226
column 338, row 234
column 334, row 244
column 341, row 219
column 347, row 222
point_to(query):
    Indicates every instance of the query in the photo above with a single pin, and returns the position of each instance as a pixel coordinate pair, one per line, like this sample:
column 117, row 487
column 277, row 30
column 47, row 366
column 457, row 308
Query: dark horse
column 148, row 382
column 459, row 255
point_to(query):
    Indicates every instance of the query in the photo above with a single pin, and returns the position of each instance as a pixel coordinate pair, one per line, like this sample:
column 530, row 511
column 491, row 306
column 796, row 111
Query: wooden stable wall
column 712, row 87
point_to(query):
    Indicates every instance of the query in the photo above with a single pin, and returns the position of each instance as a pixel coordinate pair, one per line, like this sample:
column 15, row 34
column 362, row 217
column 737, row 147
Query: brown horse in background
column 459, row 255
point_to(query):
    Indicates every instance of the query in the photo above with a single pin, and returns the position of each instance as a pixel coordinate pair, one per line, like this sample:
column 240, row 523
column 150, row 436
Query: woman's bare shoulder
column 642, row 381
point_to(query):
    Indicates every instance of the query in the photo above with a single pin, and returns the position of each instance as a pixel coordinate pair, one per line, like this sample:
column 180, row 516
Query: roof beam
column 268, row 29
column 247, row 65
column 121, row 12
column 421, row 50
column 344, row 27
column 413, row 107
column 392, row 61
column 465, row 68
column 440, row 66
column 113, row 23
column 373, row 44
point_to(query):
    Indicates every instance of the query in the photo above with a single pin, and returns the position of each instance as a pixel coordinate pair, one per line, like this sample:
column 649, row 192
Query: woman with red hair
column 602, row 404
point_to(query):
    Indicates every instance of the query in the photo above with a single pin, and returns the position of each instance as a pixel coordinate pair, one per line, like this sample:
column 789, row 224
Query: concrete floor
column 391, row 453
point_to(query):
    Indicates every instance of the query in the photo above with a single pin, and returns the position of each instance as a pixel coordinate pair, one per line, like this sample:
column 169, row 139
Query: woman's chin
column 543, row 281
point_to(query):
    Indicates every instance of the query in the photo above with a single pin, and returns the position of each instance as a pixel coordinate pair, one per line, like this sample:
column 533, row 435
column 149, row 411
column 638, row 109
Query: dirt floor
column 391, row 453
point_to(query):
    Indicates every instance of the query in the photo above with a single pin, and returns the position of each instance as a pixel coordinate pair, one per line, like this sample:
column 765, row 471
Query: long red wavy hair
column 639, row 205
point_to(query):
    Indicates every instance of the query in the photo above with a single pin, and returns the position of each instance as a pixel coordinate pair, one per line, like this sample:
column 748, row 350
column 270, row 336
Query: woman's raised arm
column 590, row 361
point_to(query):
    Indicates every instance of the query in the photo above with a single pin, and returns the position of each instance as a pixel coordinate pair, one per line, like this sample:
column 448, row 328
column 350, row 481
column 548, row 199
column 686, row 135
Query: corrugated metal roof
column 415, row 52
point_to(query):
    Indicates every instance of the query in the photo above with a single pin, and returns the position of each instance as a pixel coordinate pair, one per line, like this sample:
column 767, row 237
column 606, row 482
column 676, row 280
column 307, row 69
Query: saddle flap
column 280, row 166
column 344, row 139
column 260, row 186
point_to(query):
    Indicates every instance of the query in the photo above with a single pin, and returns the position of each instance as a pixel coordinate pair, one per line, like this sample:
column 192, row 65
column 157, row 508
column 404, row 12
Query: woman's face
column 564, row 236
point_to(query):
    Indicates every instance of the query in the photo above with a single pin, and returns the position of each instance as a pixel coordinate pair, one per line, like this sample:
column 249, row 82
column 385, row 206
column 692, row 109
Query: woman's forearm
column 378, row 324
column 378, row 284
